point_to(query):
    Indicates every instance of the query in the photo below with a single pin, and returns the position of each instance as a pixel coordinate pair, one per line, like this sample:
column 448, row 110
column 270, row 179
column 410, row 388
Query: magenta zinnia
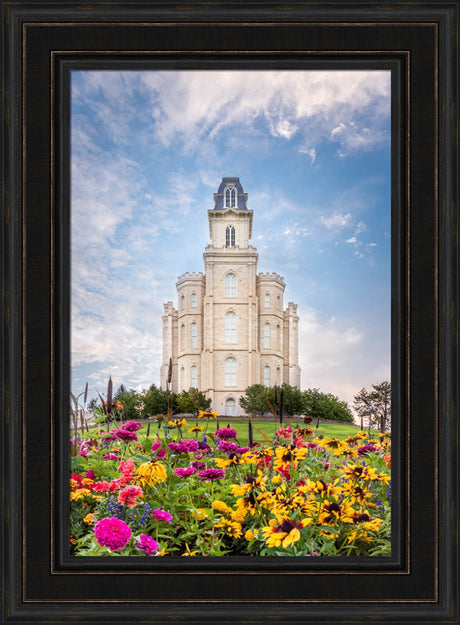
column 226, row 433
column 184, row 472
column 162, row 515
column 112, row 533
column 131, row 426
column 146, row 544
column 211, row 474
column 125, row 435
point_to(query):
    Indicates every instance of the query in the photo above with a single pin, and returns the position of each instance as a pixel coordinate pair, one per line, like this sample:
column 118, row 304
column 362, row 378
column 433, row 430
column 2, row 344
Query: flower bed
column 208, row 496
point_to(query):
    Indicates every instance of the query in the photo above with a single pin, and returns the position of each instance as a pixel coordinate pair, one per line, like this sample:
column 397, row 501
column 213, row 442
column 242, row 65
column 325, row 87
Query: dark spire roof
column 241, row 196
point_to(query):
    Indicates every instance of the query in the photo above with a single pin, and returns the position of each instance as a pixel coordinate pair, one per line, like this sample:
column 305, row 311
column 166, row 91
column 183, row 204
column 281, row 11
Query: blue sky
column 311, row 149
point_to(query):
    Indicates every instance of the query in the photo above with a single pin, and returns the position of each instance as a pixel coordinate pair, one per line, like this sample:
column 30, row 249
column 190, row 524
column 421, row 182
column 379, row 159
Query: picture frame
column 43, row 42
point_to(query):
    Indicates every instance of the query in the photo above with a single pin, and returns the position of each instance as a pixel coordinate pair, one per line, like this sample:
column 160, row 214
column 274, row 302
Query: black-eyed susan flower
column 285, row 533
column 187, row 551
column 231, row 528
column 221, row 506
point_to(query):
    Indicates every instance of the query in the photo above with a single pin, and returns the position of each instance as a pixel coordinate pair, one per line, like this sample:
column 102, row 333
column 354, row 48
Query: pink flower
column 161, row 453
column 184, row 472
column 285, row 432
column 112, row 533
column 226, row 433
column 90, row 474
column 146, row 544
column 131, row 426
column 162, row 515
column 127, row 496
column 184, row 446
column 211, row 474
column 111, row 456
column 115, row 485
column 125, row 435
column 227, row 447
column 101, row 487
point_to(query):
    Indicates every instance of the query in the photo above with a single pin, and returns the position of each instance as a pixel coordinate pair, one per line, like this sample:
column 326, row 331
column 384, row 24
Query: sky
column 312, row 151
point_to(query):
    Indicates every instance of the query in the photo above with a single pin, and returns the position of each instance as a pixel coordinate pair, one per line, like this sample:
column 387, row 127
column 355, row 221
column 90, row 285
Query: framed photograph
column 122, row 125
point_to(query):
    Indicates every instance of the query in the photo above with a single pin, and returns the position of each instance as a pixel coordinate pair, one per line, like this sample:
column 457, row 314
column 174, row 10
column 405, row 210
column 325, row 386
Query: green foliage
column 156, row 401
column 325, row 406
column 292, row 402
column 192, row 401
column 254, row 400
column 131, row 400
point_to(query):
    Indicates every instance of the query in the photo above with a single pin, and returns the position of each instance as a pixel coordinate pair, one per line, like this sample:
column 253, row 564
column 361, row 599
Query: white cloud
column 339, row 356
column 336, row 220
column 196, row 106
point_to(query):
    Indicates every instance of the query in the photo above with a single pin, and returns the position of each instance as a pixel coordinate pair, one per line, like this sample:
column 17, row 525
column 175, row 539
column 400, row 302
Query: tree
column 192, row 401
column 375, row 404
column 325, row 406
column 131, row 401
column 254, row 400
column 155, row 401
column 293, row 401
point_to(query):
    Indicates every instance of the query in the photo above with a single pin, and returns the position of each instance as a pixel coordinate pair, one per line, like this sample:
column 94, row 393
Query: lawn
column 261, row 427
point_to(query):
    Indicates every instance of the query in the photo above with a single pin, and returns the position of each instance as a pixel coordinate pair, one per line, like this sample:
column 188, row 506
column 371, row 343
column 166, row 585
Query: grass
column 261, row 427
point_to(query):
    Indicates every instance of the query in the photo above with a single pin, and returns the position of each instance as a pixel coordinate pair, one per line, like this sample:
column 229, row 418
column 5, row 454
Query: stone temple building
column 231, row 329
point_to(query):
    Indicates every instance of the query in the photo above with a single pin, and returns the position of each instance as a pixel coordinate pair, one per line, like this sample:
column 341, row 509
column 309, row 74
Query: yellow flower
column 163, row 552
column 195, row 428
column 73, row 483
column 210, row 415
column 72, row 540
column 337, row 446
column 221, row 506
column 277, row 479
column 150, row 473
column 289, row 455
column 285, row 534
column 200, row 514
column 79, row 494
column 187, row 551
column 250, row 534
column 231, row 528
column 86, row 481
column 178, row 423
column 238, row 515
column 89, row 518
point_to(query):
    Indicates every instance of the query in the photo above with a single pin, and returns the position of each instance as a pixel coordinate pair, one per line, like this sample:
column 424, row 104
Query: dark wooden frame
column 42, row 43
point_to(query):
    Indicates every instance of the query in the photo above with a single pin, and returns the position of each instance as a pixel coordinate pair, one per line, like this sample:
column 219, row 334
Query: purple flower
column 211, row 474
column 146, row 544
column 131, row 426
column 365, row 449
column 311, row 445
column 184, row 446
column 227, row 446
column 226, row 434
column 125, row 435
column 242, row 450
column 111, row 456
column 199, row 466
column 184, row 472
column 162, row 515
column 112, row 533
column 161, row 453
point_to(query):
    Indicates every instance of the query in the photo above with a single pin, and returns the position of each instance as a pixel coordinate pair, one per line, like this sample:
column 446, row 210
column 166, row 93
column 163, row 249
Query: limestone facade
column 230, row 329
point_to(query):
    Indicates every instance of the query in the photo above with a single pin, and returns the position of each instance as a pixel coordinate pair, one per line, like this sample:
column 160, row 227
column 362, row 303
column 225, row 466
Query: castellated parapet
column 190, row 275
column 230, row 329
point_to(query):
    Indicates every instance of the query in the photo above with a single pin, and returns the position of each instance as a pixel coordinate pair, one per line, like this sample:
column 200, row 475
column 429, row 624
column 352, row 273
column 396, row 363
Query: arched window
column 193, row 300
column 267, row 300
column 267, row 375
column 278, row 302
column 193, row 382
column 182, row 301
column 278, row 375
column 230, row 372
column 230, row 327
column 267, row 335
column 278, row 336
column 230, row 285
column 230, row 407
column 230, row 197
column 229, row 236
column 193, row 340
